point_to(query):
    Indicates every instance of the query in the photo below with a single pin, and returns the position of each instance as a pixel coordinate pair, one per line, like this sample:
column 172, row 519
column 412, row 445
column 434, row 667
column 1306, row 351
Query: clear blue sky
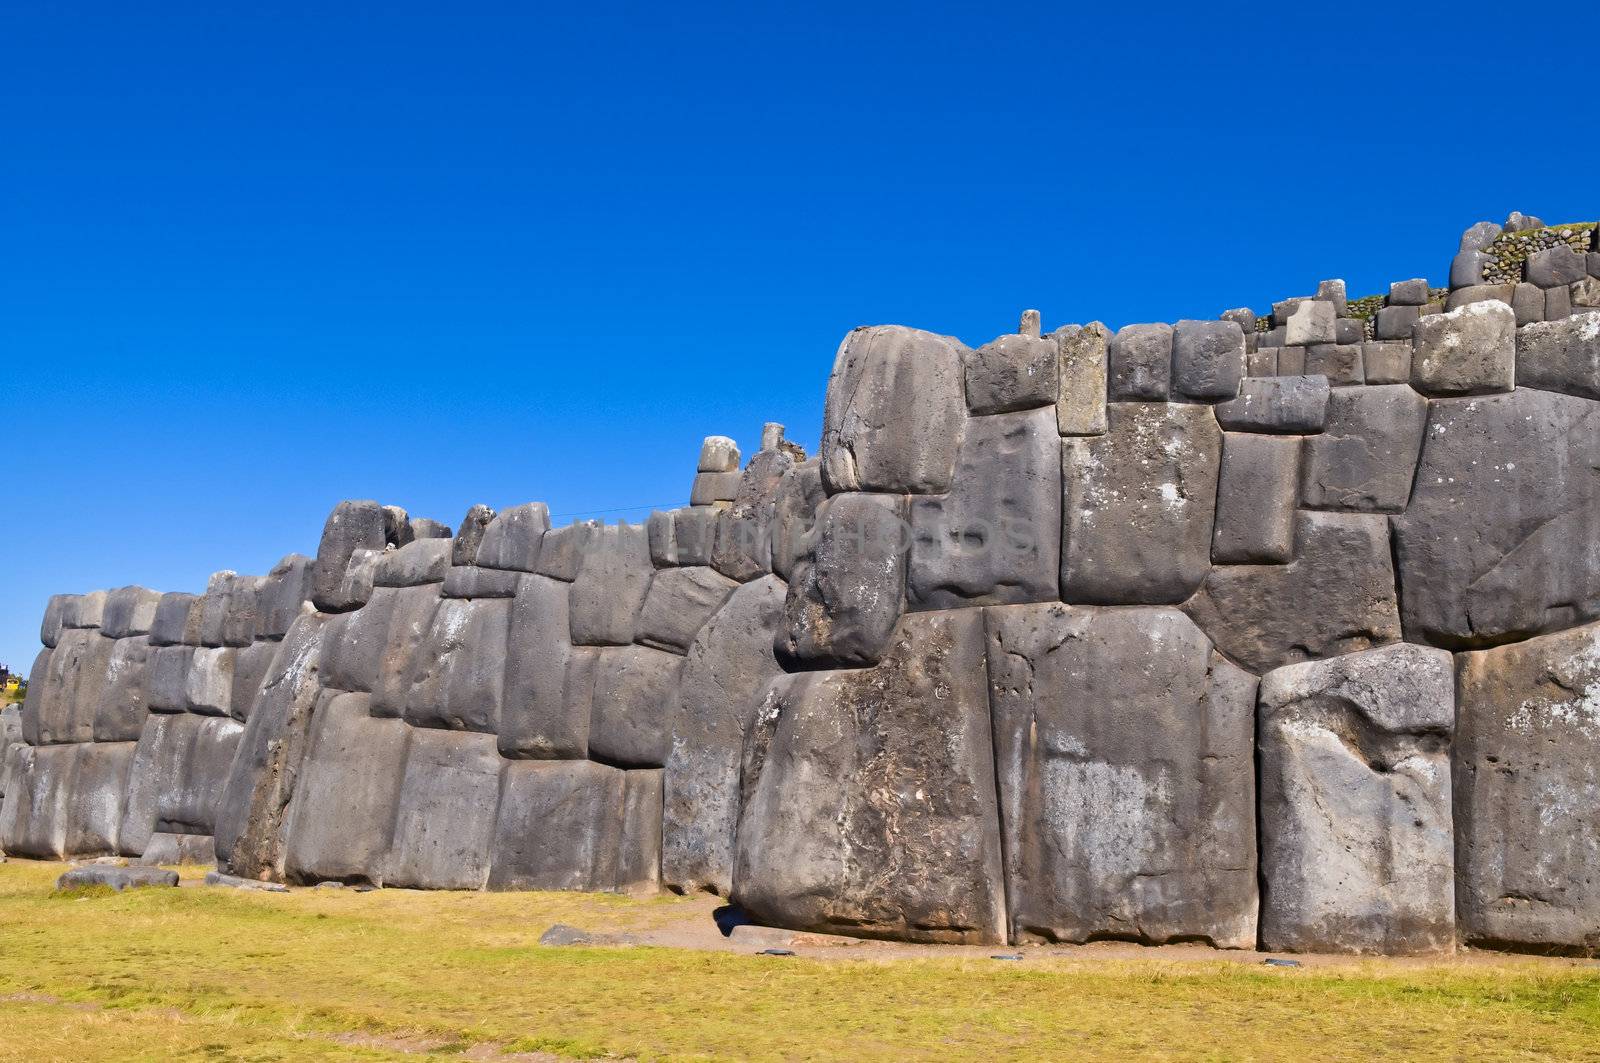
column 441, row 254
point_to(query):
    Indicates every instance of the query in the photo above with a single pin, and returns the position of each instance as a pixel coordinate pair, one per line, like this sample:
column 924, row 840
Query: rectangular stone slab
column 444, row 822
column 536, row 719
column 457, row 675
column 559, row 826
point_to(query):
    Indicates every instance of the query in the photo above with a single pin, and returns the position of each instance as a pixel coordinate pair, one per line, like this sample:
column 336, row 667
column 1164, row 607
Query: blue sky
column 256, row 263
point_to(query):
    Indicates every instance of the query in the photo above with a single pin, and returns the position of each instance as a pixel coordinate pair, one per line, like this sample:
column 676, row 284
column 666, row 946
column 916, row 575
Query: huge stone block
column 1356, row 843
column 1081, row 400
column 55, row 613
column 61, row 708
column 845, row 598
column 457, row 676
column 1289, row 405
column 471, row 581
column 1138, row 504
column 1527, row 793
column 171, row 618
column 68, row 800
column 1012, row 373
column 630, row 704
column 1256, row 495
column 559, row 826
column 1502, row 536
column 728, row 666
column 464, row 548
column 209, row 684
column 129, row 611
column 1561, row 356
column 1336, row 596
column 444, row 822
column 610, row 587
column 84, row 610
column 995, row 539
column 339, row 827
column 1468, row 351
column 536, row 719
column 352, row 526
column 122, row 704
column 1140, row 364
column 16, row 806
column 1556, row 267
column 1125, row 754
column 410, row 621
column 679, row 602
column 250, row 667
column 743, row 547
column 894, row 412
column 167, row 688
column 1311, row 322
column 874, row 812
column 353, row 643
column 191, row 806
column 794, row 516
column 155, row 773
column 419, row 562
column 1207, row 360
column 284, row 591
column 513, row 537
column 1365, row 458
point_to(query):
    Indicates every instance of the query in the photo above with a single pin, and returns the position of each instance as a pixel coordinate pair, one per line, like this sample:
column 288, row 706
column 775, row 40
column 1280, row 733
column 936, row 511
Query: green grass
column 222, row 974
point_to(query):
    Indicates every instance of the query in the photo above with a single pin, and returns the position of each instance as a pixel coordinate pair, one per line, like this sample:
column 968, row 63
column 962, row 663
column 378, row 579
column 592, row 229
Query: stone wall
column 1282, row 637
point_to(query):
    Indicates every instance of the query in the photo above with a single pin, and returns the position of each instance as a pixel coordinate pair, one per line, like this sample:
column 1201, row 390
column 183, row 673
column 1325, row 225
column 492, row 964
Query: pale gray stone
column 171, row 618
column 457, row 675
column 845, row 597
column 718, row 454
column 513, row 538
column 419, row 562
column 562, row 550
column 1561, row 356
column 209, row 684
column 1387, row 363
column 1288, row 405
column 630, row 705
column 536, row 719
column 1084, row 359
column 1139, row 363
column 1311, row 322
column 129, row 611
column 710, row 488
column 191, row 806
column 1366, row 455
column 1479, row 293
column 1469, row 351
column 611, row 586
column 1256, row 495
column 1527, row 302
column 1016, row 372
column 444, row 822
column 559, row 826
column 154, row 774
column 679, row 602
column 409, row 623
column 122, row 704
column 117, row 878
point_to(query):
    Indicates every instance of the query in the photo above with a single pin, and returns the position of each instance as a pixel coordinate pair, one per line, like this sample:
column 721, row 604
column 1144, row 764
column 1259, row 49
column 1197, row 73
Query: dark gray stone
column 1527, row 302
column 250, row 667
column 846, row 596
column 995, row 538
column 1466, row 269
column 1480, row 236
column 513, row 538
column 1284, row 309
column 536, row 719
column 444, row 822
column 1366, row 455
column 1207, row 360
column 1556, row 267
column 1288, row 405
column 1527, row 769
column 631, row 705
column 1256, row 495
column 1558, row 302
column 171, row 618
column 1292, row 361
column 470, row 581
column 794, row 515
column 611, row 586
column 1413, row 292
column 743, row 547
column 53, row 711
column 464, row 548
column 174, row 850
column 559, row 826
column 352, row 526
column 1518, row 222
column 129, row 611
column 409, row 623
column 1522, row 472
column 1396, row 322
column 894, row 412
column 55, row 612
column 117, row 878
column 874, row 812
column 1561, row 356
column 562, row 550
column 1012, row 373
column 457, row 675
column 1138, row 505
column 353, row 643
column 155, row 773
column 241, row 617
column 1340, row 364
column 191, row 806
column 663, row 542
column 679, row 602
column 1337, row 596
column 424, row 528
column 1262, row 362
column 419, row 562
column 1387, row 363
column 1139, row 363
column 1468, row 351
column 122, row 705
column 1348, row 331
column 720, row 688
column 1356, row 844
column 1125, row 757
column 84, row 610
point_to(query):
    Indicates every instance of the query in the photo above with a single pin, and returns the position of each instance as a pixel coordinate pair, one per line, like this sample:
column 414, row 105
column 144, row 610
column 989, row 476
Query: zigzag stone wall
column 1274, row 636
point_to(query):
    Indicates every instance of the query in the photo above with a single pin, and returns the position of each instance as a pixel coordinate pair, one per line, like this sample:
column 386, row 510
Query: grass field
column 222, row 974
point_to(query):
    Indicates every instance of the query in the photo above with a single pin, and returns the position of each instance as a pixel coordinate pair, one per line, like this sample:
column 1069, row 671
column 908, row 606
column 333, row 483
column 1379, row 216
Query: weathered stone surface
column 352, row 526
column 84, row 610
column 694, row 533
column 995, row 538
column 171, row 618
column 729, row 664
column 794, row 515
column 261, row 781
column 61, row 708
column 1337, row 596
column 1256, row 495
column 1558, row 301
column 1138, row 504
column 241, row 617
column 424, row 528
column 1339, row 363
column 1527, row 302
column 630, row 704
column 470, row 581
column 250, row 667
column 679, row 602
column 444, row 822
column 209, row 616
column 457, row 675
column 1413, row 292
column 1367, row 453
column 1585, row 293
column 1084, row 359
column 55, row 612
column 513, row 537
column 1480, row 293
column 353, row 643
column 1012, row 373
column 1140, row 364
column 464, row 548
column 874, row 811
column 68, row 800
column 1311, row 322
column 1387, row 363
column 410, row 621
column 1126, row 761
column 155, row 773
column 709, row 488
column 122, row 705
column 117, row 878
column 1470, row 351
column 718, row 454
column 559, row 826
column 1556, row 266
column 1207, row 360
column 1527, row 779
column 845, row 597
column 663, row 541
column 1396, row 322
column 893, row 416
column 339, row 824
column 172, row 850
column 1356, row 844
column 191, row 806
column 639, row 855
column 209, row 684
column 419, row 562
column 611, row 586
column 1561, row 356
column 743, row 547
column 129, row 611
column 1291, row 405
column 1521, row 473
column 536, row 719
column 167, row 683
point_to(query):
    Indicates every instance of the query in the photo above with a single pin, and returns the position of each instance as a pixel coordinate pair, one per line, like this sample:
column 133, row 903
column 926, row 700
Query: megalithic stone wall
column 1277, row 631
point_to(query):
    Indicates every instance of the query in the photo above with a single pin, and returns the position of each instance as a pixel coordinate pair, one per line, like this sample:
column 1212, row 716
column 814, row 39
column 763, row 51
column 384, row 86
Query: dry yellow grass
column 220, row 974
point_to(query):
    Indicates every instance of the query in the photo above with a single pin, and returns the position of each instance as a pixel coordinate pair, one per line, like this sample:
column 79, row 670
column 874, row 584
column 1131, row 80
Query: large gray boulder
column 1256, row 496
column 457, row 676
column 464, row 547
column 611, row 586
column 1139, row 364
column 171, row 618
column 1366, row 455
column 1561, row 355
column 209, row 684
column 1501, row 539
column 845, row 597
column 1138, row 504
column 60, row 704
column 129, row 611
column 1336, row 596
column 874, row 811
column 419, row 562
column 1010, row 373
column 1471, row 350
column 1207, row 360
column 729, row 664
column 630, row 703
column 576, row 825
column 339, row 824
column 191, row 806
column 444, row 821
column 794, row 516
column 284, row 591
column 679, row 602
column 353, row 643
column 352, row 526
column 536, row 719
column 117, row 878
column 471, row 581
column 410, row 621
column 66, row 800
column 1291, row 405
column 513, row 538
column 995, row 539
column 742, row 549
column 562, row 550
column 894, row 412
column 250, row 667
column 1126, row 770
column 122, row 705
column 1527, row 793
column 155, row 773
column 1356, row 844
column 55, row 614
